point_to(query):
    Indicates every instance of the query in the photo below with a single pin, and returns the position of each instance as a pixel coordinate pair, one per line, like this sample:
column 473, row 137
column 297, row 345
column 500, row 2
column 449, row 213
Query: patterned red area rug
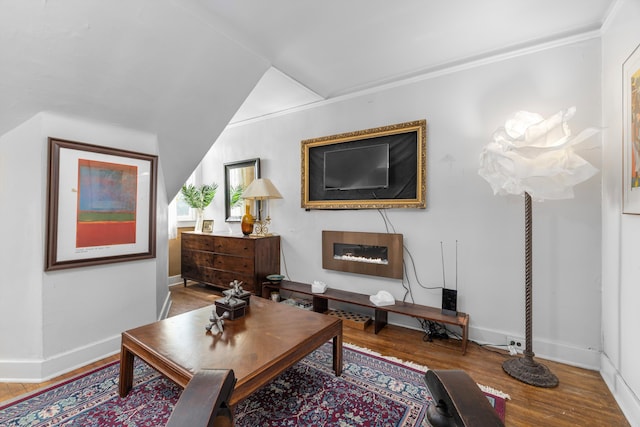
column 372, row 391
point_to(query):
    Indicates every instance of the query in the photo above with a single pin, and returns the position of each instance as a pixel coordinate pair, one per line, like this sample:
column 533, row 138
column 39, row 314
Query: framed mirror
column 237, row 177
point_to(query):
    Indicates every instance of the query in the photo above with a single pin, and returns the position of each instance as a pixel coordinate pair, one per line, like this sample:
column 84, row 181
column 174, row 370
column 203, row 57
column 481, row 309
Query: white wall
column 462, row 110
column 54, row 321
column 620, row 272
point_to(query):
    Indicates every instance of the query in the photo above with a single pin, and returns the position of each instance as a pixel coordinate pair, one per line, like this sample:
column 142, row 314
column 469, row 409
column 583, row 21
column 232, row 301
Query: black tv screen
column 357, row 168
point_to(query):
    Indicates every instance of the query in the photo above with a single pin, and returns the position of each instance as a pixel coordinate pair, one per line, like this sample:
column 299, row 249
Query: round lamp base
column 531, row 372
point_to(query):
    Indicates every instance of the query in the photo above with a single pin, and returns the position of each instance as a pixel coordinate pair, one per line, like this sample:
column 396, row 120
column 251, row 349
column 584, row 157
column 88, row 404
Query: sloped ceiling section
column 337, row 47
column 150, row 65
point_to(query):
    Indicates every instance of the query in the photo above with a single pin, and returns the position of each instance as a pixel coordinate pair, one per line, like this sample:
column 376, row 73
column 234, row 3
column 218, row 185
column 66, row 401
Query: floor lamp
column 534, row 157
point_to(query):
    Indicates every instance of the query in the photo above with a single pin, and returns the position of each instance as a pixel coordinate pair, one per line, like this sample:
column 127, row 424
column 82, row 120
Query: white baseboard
column 557, row 352
column 175, row 280
column 36, row 371
column 554, row 351
column 39, row 370
column 622, row 393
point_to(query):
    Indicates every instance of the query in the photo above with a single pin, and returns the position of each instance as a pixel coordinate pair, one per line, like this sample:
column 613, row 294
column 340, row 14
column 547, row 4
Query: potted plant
column 199, row 198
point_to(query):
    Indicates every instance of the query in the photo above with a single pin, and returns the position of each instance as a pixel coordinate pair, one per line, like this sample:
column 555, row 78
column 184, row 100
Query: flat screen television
column 357, row 168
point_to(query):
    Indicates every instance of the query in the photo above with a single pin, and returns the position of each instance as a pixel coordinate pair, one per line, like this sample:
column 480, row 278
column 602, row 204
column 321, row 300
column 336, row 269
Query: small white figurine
column 237, row 287
column 217, row 322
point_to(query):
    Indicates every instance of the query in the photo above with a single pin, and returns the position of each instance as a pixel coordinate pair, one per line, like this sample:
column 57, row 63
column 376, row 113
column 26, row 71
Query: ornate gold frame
column 418, row 126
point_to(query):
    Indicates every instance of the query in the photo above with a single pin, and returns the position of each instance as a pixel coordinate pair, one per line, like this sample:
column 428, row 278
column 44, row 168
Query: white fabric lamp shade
column 536, row 155
column 261, row 189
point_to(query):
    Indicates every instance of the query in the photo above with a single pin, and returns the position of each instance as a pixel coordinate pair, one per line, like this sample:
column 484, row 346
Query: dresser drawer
column 234, row 246
column 205, row 259
column 197, row 242
column 196, row 272
column 233, row 263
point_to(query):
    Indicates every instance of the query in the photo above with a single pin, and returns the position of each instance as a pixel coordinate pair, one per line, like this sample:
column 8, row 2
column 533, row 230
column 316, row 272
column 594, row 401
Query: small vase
column 247, row 221
column 199, row 219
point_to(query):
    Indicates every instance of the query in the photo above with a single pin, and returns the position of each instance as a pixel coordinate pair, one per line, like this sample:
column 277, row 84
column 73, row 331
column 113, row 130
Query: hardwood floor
column 581, row 399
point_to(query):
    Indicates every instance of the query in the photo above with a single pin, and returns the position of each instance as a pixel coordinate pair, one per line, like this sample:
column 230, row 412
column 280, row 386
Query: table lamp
column 534, row 157
column 261, row 189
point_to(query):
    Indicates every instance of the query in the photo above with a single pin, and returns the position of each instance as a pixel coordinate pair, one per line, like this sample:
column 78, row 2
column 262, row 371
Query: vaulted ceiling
column 182, row 69
column 336, row 47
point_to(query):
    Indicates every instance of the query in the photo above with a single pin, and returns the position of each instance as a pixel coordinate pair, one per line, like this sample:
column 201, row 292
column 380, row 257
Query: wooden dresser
column 218, row 259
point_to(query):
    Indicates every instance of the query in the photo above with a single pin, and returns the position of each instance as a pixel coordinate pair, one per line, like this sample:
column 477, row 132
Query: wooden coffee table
column 259, row 346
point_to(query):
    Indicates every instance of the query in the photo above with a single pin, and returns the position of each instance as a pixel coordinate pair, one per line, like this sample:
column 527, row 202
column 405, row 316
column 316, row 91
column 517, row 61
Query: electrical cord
column 386, row 220
column 406, row 286
column 413, row 264
column 432, row 331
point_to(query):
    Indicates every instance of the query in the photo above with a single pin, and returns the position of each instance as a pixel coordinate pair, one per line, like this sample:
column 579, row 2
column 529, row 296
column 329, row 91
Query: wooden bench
column 321, row 305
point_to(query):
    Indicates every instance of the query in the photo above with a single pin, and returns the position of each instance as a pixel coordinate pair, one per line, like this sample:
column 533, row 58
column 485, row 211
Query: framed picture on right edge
column 631, row 133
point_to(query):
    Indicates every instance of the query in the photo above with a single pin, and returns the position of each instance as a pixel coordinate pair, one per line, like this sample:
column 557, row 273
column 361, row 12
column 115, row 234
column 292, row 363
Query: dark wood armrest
column 204, row 401
column 458, row 401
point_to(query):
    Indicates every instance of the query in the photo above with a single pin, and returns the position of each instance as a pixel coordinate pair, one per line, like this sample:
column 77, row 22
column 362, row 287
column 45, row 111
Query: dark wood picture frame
column 101, row 205
column 407, row 169
column 235, row 178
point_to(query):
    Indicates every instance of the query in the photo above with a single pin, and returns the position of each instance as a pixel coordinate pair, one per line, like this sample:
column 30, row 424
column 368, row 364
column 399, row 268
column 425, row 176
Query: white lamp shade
column 261, row 189
column 533, row 155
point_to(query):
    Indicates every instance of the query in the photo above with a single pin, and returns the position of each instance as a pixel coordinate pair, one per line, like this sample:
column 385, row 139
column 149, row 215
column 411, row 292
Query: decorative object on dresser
column 262, row 190
column 199, row 198
column 534, row 157
column 207, row 226
column 246, row 224
column 220, row 259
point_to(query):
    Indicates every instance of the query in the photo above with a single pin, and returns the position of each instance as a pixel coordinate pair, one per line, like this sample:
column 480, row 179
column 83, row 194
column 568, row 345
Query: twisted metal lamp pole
column 525, row 368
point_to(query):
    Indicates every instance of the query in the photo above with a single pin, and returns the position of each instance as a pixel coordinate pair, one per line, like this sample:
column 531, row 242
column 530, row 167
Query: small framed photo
column 207, row 226
column 631, row 133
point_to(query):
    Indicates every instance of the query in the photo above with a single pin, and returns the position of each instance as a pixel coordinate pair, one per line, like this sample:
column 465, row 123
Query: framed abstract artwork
column 101, row 205
column 631, row 134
